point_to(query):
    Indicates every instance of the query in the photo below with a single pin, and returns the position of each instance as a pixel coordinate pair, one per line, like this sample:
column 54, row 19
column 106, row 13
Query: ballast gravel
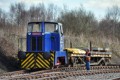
column 108, row 76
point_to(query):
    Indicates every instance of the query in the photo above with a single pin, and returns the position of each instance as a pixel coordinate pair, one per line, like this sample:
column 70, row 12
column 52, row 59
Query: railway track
column 59, row 73
column 13, row 73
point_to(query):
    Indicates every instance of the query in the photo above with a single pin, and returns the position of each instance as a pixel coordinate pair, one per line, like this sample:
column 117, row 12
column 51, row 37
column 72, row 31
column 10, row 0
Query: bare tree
column 3, row 18
column 78, row 21
column 113, row 13
column 18, row 14
column 37, row 13
column 110, row 25
column 52, row 12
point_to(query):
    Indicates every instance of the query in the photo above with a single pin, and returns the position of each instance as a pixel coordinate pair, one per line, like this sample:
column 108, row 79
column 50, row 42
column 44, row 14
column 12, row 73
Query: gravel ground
column 108, row 76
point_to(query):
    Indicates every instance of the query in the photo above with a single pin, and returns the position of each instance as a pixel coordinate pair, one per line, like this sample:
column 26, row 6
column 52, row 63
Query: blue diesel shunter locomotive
column 44, row 46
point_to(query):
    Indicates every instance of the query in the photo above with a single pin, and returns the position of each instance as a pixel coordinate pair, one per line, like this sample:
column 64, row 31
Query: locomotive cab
column 44, row 46
column 44, row 36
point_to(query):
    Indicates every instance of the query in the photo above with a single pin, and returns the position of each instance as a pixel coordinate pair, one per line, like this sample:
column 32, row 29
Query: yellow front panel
column 43, row 63
column 28, row 62
column 36, row 60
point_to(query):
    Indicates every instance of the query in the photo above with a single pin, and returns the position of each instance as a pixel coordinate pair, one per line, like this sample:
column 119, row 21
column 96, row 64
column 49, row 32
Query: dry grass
column 9, row 39
column 8, row 48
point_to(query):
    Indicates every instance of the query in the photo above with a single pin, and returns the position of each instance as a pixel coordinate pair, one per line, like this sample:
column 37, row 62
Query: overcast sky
column 98, row 7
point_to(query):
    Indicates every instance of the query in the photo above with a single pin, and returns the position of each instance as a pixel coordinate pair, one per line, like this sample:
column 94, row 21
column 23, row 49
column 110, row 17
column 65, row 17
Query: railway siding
column 60, row 73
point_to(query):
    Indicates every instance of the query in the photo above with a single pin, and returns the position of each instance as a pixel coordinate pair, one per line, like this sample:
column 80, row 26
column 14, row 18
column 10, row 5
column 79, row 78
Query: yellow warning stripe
column 52, row 58
column 47, row 61
column 43, row 62
column 52, row 55
column 40, row 55
column 40, row 63
column 43, row 59
column 26, row 59
column 27, row 55
column 30, row 64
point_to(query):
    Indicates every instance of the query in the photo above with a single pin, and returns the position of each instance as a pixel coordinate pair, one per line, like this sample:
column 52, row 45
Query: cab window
column 34, row 28
column 50, row 27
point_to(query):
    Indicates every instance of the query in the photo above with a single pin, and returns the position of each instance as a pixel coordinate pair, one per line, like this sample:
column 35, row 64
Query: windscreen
column 50, row 27
column 34, row 27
